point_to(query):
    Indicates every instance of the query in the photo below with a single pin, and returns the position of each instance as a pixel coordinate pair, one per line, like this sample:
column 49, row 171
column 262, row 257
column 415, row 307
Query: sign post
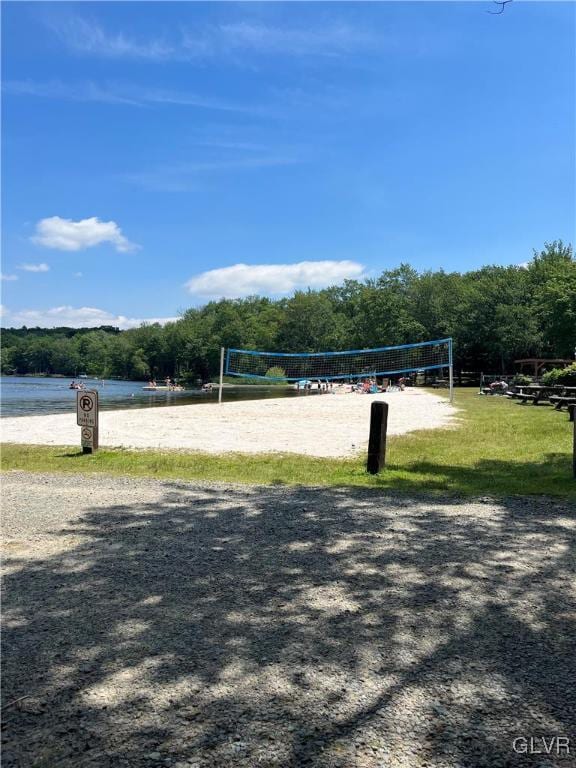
column 87, row 419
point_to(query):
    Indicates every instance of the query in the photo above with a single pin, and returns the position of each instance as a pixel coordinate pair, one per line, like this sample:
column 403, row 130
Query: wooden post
column 377, row 439
column 221, row 374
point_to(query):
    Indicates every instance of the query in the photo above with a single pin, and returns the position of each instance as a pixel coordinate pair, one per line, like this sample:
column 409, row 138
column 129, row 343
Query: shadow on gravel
column 292, row 627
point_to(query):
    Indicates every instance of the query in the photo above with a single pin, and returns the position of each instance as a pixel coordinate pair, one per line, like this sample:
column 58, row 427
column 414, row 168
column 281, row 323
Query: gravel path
column 168, row 624
column 317, row 425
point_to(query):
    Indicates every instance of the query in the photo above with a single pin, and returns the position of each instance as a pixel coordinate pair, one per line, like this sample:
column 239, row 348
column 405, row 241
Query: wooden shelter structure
column 539, row 364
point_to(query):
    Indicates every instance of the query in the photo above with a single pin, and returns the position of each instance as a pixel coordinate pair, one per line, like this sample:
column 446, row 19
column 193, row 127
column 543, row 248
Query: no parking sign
column 87, row 408
column 87, row 418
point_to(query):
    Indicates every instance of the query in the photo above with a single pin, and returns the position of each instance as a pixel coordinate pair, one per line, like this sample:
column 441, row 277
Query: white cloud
column 78, row 274
column 55, row 89
column 74, row 317
column 332, row 38
column 68, row 235
column 88, row 37
column 329, row 40
column 182, row 177
column 123, row 94
column 8, row 277
column 272, row 279
column 34, row 267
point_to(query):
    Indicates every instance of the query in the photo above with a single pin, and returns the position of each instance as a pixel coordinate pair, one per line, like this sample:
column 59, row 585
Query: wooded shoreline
column 494, row 315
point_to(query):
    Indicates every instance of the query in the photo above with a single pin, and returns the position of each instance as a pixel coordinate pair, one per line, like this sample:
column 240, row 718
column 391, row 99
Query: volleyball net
column 351, row 364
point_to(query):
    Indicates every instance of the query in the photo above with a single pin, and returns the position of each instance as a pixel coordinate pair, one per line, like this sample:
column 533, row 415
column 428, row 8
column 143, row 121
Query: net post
column 450, row 371
column 221, row 374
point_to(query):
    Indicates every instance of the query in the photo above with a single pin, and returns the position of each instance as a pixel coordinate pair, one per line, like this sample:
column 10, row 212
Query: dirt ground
column 150, row 624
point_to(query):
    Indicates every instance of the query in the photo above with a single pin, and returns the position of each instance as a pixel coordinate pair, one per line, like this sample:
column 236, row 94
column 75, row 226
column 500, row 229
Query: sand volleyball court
column 314, row 425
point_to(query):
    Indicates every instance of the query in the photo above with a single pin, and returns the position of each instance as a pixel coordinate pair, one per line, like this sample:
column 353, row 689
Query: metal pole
column 450, row 371
column 221, row 374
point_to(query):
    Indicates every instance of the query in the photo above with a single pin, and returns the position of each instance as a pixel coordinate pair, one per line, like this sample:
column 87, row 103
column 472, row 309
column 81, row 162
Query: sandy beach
column 318, row 425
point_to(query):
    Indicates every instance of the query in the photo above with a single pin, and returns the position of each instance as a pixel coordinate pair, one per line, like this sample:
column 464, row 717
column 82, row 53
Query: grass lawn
column 499, row 448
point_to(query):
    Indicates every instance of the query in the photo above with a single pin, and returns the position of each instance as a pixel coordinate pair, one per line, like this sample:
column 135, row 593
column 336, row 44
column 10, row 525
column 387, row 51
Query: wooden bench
column 526, row 398
column 535, row 398
column 558, row 401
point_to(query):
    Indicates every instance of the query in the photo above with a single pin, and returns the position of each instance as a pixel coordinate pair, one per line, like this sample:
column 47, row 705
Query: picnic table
column 563, row 396
column 532, row 393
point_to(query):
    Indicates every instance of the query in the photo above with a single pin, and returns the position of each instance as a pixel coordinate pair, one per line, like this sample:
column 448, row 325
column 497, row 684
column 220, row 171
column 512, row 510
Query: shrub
column 276, row 372
column 550, row 378
column 521, row 379
column 563, row 376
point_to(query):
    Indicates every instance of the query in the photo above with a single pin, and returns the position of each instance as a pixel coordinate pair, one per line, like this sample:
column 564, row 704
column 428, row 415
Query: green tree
column 310, row 324
column 552, row 274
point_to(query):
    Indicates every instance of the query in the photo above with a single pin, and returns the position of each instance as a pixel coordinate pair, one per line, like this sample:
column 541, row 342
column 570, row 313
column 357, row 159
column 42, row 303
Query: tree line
column 495, row 315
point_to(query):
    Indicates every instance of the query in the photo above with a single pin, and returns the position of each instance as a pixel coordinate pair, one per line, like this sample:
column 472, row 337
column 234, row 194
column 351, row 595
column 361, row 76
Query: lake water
column 29, row 395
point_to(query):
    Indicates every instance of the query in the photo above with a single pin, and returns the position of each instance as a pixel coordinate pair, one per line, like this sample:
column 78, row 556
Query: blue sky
column 157, row 155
